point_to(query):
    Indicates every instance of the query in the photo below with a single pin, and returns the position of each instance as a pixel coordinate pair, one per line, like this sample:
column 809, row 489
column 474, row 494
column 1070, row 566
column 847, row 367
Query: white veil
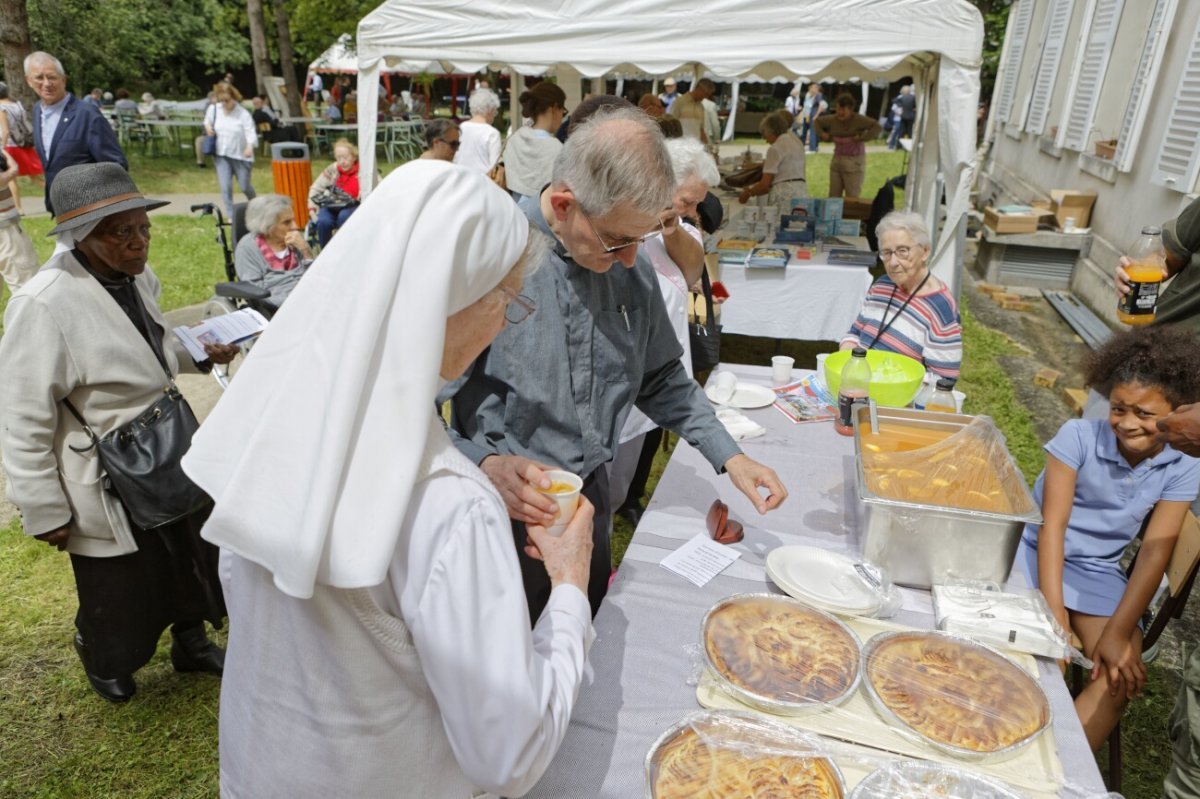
column 312, row 454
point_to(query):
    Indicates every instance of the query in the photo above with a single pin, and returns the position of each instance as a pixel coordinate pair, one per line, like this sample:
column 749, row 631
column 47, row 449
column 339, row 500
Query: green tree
column 316, row 24
column 169, row 46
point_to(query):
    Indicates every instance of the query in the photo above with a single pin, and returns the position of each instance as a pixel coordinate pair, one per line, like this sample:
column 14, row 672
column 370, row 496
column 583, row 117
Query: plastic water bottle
column 925, row 392
column 942, row 400
column 855, row 385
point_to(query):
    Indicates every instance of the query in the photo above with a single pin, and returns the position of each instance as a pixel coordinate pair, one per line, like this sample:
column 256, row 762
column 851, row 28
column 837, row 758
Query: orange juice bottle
column 1146, row 274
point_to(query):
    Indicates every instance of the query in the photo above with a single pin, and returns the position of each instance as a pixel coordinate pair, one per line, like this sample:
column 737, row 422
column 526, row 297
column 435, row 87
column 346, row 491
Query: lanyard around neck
column 887, row 323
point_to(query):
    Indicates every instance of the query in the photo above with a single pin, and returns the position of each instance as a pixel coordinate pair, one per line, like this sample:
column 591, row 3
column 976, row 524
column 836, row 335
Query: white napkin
column 739, row 425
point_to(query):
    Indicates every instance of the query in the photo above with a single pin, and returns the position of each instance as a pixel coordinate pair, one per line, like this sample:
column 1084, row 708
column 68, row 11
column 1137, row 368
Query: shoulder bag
column 705, row 338
column 142, row 458
column 209, row 145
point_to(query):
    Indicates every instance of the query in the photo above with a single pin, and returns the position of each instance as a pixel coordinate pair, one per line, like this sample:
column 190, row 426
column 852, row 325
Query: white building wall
column 1024, row 167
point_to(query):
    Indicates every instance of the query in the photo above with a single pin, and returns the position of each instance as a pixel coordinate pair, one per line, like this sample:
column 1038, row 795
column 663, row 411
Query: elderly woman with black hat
column 86, row 350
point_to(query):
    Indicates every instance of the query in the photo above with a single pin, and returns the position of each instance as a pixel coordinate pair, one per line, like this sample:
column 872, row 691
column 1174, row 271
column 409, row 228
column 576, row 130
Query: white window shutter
column 1091, row 73
column 1143, row 81
column 1180, row 153
column 1018, row 32
column 1057, row 24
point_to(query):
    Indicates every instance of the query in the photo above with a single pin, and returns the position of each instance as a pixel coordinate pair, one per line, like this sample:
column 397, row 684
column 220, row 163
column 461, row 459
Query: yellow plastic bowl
column 895, row 378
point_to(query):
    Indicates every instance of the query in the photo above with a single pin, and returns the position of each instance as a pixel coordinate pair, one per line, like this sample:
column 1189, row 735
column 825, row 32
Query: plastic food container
column 722, row 753
column 780, row 655
column 920, row 681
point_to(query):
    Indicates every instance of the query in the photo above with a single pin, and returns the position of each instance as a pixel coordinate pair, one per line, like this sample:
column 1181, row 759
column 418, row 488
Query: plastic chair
column 130, row 129
column 1181, row 574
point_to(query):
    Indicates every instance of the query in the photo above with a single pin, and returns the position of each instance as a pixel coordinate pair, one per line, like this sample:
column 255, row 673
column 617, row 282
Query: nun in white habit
column 380, row 641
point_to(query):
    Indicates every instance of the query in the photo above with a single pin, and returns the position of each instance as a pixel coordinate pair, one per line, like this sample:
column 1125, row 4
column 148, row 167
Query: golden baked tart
column 959, row 695
column 726, row 755
column 779, row 654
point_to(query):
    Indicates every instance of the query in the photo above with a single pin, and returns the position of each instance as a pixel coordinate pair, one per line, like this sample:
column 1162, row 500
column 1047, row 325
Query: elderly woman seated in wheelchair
column 273, row 254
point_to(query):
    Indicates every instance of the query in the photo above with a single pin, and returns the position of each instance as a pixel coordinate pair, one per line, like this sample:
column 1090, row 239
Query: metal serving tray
column 921, row 545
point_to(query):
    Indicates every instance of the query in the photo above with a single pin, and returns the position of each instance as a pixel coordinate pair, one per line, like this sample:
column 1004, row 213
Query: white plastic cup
column 724, row 386
column 821, row 356
column 781, row 369
column 567, row 501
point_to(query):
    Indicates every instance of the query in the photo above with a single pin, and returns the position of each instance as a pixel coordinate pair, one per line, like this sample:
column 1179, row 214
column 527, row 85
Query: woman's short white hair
column 263, row 212
column 689, row 159
column 483, row 102
column 908, row 221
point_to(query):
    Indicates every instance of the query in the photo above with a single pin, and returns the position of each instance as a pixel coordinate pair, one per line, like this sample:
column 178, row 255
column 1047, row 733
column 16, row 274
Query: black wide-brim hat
column 86, row 193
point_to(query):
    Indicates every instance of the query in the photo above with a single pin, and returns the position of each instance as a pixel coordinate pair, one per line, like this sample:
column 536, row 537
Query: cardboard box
column 1078, row 204
column 856, row 208
column 1045, row 213
column 1106, row 149
column 1010, row 223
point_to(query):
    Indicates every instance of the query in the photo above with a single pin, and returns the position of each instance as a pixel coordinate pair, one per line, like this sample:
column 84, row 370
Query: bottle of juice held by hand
column 1146, row 274
column 856, row 381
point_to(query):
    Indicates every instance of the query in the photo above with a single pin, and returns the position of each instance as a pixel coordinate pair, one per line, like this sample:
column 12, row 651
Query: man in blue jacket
column 66, row 131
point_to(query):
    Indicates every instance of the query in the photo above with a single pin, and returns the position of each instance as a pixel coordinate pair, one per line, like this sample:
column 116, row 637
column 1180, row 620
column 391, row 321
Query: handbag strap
column 154, row 341
column 710, row 322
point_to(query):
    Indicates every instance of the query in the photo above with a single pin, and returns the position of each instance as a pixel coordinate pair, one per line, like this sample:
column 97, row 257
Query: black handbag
column 705, row 338
column 142, row 457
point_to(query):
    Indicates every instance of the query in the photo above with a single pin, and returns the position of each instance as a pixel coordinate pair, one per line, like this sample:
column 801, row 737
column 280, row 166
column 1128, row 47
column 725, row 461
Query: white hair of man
column 617, row 156
column 263, row 212
column 908, row 221
column 691, row 160
column 906, row 89
column 39, row 57
column 483, row 102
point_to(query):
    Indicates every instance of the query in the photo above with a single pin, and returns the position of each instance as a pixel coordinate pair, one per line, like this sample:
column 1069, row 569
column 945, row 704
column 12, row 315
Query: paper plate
column 826, row 579
column 747, row 395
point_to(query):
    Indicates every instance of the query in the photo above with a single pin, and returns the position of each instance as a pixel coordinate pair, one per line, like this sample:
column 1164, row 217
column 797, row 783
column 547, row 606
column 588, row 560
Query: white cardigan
column 66, row 338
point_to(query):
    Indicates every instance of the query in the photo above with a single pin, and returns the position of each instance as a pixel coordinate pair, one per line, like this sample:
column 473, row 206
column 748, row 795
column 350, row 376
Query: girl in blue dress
column 1103, row 479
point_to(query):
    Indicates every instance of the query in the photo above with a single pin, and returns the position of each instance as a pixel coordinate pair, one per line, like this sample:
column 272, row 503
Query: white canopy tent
column 937, row 42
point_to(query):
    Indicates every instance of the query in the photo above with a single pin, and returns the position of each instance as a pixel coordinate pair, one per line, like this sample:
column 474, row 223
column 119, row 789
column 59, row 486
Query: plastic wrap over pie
column 728, row 756
column 957, row 694
column 918, row 779
column 780, row 654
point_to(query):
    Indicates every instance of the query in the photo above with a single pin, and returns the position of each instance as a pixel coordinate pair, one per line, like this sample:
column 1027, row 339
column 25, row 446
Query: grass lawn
column 62, row 741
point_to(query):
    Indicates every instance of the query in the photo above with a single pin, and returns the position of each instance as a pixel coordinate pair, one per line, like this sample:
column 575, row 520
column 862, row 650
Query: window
column 1180, row 153
column 1092, row 66
column 1144, row 79
column 1018, row 32
column 1058, row 22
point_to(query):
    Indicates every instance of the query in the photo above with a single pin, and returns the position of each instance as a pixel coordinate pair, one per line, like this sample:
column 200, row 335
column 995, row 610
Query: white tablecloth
column 807, row 300
column 651, row 617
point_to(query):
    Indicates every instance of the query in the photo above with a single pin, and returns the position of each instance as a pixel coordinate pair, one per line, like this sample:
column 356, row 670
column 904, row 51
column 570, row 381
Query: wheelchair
column 232, row 295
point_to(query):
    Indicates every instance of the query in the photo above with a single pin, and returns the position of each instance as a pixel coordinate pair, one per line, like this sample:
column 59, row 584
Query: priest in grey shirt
column 554, row 390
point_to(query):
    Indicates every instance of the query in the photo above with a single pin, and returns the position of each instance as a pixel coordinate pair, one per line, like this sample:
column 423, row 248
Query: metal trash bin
column 291, row 169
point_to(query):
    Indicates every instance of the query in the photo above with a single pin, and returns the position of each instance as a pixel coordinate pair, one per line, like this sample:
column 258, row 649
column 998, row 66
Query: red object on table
column 719, row 291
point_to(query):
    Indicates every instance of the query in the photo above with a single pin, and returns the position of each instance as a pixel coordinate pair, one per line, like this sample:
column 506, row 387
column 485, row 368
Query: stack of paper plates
column 826, row 580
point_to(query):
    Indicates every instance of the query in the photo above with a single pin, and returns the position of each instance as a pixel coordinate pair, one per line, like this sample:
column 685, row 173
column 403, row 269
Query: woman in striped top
column 908, row 310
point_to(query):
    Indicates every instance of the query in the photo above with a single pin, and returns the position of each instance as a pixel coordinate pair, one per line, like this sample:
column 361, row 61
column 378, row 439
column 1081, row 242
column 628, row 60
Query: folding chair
column 1181, row 574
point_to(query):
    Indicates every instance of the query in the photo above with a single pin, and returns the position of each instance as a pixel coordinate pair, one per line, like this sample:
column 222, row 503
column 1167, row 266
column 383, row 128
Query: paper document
column 231, row 328
column 700, row 559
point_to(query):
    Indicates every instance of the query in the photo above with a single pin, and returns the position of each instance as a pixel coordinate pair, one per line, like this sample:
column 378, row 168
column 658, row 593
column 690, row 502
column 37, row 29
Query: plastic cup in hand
column 781, row 369
column 564, row 489
column 724, row 387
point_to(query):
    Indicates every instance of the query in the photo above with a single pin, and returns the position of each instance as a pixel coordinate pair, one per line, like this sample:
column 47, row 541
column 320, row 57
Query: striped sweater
column 928, row 330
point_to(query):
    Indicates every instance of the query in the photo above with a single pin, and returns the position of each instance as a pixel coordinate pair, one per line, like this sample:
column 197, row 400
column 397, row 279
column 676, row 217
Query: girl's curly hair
column 1167, row 357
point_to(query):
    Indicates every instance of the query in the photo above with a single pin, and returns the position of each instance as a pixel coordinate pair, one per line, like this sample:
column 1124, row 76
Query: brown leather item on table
column 745, row 177
column 721, row 528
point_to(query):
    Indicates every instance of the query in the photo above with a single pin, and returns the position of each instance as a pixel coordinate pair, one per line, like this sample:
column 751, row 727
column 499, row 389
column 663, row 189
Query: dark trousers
column 641, row 474
column 330, row 219
column 533, row 572
column 125, row 602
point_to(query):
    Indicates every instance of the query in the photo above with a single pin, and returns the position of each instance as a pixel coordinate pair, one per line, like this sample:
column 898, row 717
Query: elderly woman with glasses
column 377, row 616
column 86, row 346
column 442, row 140
column 273, row 254
column 908, row 310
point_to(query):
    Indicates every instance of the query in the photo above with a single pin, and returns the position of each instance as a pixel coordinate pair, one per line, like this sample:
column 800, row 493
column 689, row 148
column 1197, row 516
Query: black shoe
column 631, row 514
column 115, row 689
column 201, row 166
column 192, row 651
